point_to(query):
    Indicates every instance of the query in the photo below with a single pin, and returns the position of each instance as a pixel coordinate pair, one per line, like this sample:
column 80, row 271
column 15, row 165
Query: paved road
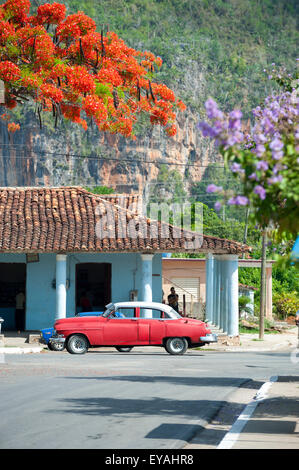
column 146, row 399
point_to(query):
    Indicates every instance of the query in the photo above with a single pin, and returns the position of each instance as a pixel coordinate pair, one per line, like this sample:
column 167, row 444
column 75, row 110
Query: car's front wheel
column 176, row 346
column 77, row 344
column 56, row 346
column 123, row 349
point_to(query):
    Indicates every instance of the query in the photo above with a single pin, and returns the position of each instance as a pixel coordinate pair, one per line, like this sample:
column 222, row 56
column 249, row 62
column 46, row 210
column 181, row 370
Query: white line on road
column 233, row 434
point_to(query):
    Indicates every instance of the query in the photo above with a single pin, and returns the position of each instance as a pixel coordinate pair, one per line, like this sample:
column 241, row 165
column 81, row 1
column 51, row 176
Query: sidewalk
column 288, row 339
column 13, row 343
column 275, row 421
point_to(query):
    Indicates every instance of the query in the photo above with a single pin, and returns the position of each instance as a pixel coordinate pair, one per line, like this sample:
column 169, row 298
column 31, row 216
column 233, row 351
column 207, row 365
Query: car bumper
column 57, row 339
column 209, row 338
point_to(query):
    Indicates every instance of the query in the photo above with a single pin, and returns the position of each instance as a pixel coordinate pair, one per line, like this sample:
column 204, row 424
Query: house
column 57, row 244
column 188, row 276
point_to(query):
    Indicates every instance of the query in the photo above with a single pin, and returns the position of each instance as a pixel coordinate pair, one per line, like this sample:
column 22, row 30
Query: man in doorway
column 173, row 299
column 85, row 303
column 20, row 311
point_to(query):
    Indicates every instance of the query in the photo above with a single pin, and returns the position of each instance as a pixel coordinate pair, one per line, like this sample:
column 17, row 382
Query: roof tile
column 71, row 219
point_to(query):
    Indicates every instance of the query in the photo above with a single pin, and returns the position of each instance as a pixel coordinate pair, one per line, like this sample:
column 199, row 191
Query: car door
column 121, row 328
column 152, row 330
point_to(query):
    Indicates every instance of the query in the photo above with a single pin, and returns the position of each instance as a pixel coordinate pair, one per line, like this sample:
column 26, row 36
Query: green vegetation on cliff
column 213, row 48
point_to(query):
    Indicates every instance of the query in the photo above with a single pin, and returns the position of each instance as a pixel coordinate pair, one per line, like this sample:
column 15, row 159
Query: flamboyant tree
column 73, row 71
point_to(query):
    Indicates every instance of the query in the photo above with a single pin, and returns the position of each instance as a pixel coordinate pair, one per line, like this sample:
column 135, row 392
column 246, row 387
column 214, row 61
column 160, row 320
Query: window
column 188, row 286
column 125, row 313
column 155, row 314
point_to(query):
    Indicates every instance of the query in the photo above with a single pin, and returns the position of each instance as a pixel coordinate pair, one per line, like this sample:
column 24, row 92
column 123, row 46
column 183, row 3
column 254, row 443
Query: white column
column 60, row 286
column 146, row 281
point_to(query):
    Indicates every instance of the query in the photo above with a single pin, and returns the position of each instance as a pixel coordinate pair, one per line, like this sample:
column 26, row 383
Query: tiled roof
column 71, row 219
column 132, row 202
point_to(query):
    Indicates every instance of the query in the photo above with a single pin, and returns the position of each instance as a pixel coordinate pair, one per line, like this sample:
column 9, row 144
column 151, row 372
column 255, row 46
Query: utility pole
column 263, row 286
column 246, row 227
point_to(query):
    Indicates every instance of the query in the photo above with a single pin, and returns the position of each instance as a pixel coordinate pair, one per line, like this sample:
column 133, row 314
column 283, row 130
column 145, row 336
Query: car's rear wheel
column 77, row 344
column 176, row 346
column 123, row 349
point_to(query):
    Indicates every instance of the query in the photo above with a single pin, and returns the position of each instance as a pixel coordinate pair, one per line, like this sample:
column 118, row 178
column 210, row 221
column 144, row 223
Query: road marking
column 233, row 434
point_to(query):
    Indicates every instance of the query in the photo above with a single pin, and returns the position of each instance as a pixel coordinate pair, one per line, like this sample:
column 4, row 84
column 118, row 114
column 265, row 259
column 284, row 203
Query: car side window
column 157, row 314
column 123, row 313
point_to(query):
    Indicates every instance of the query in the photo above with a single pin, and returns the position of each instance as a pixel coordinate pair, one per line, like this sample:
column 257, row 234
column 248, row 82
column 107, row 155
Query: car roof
column 142, row 304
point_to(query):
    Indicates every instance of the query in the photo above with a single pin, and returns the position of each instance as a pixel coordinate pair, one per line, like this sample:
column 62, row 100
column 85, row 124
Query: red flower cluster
column 16, row 11
column 80, row 80
column 63, row 63
column 51, row 92
column 75, row 26
column 50, row 14
column 9, row 72
column 13, row 127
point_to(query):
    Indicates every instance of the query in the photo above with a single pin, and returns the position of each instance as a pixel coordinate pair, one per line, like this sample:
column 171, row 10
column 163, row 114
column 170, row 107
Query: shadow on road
column 175, row 380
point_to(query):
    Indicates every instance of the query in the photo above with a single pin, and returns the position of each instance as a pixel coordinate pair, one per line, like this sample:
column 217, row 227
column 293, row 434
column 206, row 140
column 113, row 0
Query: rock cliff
column 70, row 156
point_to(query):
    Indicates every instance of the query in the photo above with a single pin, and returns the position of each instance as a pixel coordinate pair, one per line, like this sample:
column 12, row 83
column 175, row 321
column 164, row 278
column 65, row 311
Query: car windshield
column 109, row 310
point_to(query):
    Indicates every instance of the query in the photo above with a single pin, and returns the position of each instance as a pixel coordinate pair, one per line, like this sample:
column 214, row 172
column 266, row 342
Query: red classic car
column 128, row 324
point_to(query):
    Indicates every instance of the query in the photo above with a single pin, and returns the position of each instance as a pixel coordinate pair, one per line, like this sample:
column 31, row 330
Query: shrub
column 286, row 304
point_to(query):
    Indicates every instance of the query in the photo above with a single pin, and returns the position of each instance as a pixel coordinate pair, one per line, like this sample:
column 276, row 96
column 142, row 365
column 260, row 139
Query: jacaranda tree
column 73, row 71
column 265, row 159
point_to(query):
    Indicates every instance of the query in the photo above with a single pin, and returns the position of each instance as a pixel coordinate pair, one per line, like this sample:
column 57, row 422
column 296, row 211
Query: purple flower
column 276, row 145
column 260, row 150
column 262, row 165
column 206, row 129
column 237, row 168
column 212, row 188
column 253, row 176
column 212, row 109
column 238, row 201
column 217, row 206
column 260, row 191
column 274, row 179
column 236, row 114
column 277, row 155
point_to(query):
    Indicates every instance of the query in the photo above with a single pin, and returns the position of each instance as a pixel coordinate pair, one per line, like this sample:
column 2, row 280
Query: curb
column 232, row 436
column 8, row 350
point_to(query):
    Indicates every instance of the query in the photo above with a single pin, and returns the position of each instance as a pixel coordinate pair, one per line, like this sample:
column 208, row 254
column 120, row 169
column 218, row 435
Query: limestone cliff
column 70, row 156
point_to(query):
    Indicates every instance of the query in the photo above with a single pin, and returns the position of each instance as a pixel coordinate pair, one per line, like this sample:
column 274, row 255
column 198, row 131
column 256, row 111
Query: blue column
column 224, row 296
column 221, row 293
column 209, row 289
column 146, row 293
column 216, row 285
column 60, row 286
column 231, row 262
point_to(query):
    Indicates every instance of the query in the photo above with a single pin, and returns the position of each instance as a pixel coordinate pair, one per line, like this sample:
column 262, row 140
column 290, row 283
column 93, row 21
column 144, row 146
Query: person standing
column 173, row 299
column 20, row 311
column 85, row 303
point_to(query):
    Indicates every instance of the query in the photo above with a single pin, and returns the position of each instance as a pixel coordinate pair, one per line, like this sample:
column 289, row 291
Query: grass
column 254, row 331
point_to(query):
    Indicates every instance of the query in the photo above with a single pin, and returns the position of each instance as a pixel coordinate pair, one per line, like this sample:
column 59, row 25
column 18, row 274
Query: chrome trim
column 209, row 338
column 56, row 339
